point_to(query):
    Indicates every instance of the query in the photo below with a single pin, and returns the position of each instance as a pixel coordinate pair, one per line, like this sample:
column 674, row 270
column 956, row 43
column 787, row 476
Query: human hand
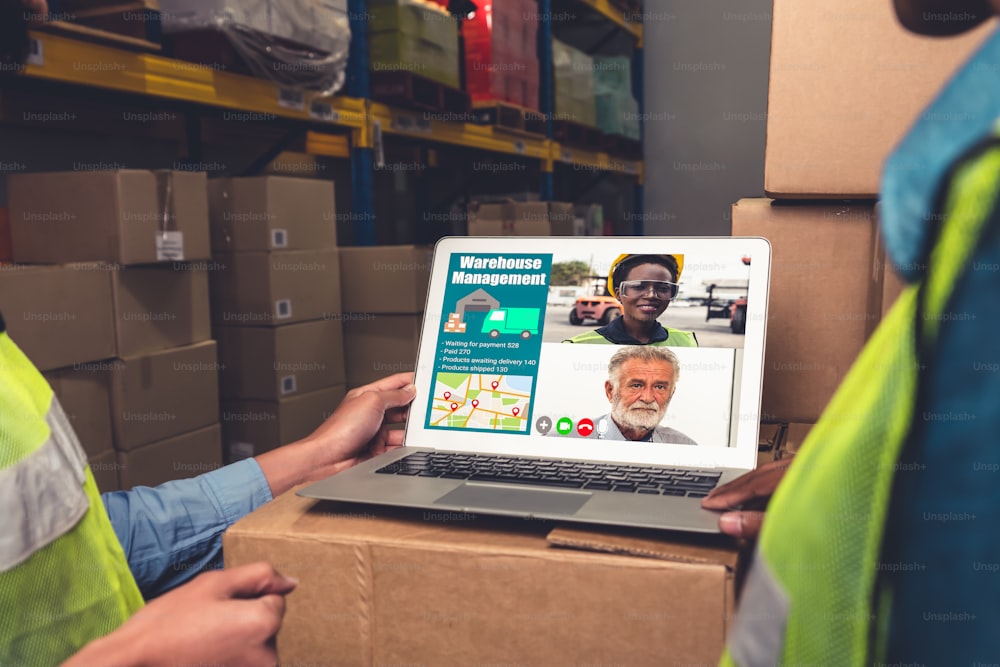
column 749, row 494
column 225, row 617
column 356, row 431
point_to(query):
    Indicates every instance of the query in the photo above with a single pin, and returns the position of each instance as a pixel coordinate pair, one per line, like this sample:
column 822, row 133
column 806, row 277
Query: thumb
column 254, row 580
column 744, row 525
column 397, row 398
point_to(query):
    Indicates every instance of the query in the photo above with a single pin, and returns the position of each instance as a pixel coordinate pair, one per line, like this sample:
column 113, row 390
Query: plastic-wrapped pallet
column 299, row 43
column 414, row 36
column 617, row 110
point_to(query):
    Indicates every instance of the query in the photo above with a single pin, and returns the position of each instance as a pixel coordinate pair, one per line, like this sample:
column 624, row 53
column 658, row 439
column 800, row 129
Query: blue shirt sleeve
column 174, row 531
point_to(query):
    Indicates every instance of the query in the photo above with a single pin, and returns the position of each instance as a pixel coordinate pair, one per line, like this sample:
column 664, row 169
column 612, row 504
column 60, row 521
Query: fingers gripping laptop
column 602, row 380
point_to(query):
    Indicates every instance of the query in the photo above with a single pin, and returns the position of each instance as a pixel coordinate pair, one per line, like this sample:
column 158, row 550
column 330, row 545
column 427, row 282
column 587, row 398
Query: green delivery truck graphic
column 521, row 322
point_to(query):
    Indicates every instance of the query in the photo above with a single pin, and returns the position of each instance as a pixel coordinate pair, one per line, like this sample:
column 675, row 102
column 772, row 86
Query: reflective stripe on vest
column 675, row 338
column 810, row 597
column 64, row 580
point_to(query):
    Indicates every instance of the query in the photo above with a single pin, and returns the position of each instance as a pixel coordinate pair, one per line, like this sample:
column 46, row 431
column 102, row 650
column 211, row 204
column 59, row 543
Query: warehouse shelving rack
column 341, row 126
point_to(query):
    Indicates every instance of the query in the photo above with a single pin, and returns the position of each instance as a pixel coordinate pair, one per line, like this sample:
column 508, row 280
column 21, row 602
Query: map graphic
column 481, row 401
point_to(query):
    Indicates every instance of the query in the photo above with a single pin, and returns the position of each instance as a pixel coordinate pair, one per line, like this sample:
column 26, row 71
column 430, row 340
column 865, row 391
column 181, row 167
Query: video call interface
column 504, row 363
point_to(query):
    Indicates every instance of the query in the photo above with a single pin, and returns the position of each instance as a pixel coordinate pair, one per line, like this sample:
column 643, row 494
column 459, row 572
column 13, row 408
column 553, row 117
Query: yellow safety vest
column 64, row 580
column 813, row 596
column 675, row 338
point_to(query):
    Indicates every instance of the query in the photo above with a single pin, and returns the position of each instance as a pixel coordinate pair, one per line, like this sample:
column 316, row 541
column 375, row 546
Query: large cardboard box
column 104, row 467
column 385, row 279
column 826, row 298
column 383, row 587
column 128, row 216
column 272, row 213
column 180, row 457
column 163, row 394
column 84, row 394
column 269, row 363
column 159, row 307
column 521, row 219
column 379, row 345
column 250, row 428
column 847, row 81
column 58, row 315
column 271, row 288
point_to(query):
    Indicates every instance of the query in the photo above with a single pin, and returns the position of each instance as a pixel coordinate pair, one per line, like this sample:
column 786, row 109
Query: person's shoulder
column 594, row 337
column 672, row 436
column 680, row 338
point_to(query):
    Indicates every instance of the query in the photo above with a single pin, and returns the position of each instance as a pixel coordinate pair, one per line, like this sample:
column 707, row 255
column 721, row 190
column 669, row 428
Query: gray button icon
column 543, row 425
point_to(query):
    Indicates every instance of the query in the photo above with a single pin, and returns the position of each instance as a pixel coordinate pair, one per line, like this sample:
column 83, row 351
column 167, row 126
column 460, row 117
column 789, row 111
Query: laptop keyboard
column 563, row 474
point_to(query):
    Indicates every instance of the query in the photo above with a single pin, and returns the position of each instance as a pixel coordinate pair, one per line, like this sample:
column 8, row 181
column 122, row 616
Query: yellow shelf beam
column 489, row 138
column 585, row 160
column 614, row 14
column 71, row 61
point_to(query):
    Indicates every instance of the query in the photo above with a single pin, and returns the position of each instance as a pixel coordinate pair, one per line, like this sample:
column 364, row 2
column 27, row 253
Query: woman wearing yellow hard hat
column 644, row 285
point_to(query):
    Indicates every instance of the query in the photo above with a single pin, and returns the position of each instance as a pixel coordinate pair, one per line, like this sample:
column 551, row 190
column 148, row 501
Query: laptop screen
column 535, row 346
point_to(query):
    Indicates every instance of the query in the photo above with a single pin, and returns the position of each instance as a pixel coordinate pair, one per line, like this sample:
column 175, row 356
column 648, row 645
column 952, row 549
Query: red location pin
column 515, row 411
column 495, row 384
column 475, row 404
column 447, row 395
column 454, row 406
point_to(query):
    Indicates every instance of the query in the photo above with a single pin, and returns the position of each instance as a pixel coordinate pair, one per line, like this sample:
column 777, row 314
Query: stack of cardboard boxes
column 846, row 82
column 532, row 218
column 129, row 335
column 501, row 53
column 276, row 309
column 414, row 36
column 573, row 72
column 383, row 309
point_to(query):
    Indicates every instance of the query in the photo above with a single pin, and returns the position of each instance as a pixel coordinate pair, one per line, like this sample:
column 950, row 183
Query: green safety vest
column 64, row 580
column 812, row 596
column 675, row 338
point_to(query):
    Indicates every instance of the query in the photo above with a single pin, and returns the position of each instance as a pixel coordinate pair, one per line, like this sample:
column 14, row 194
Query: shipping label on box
column 163, row 394
column 272, row 213
column 59, row 315
column 274, row 288
column 127, row 216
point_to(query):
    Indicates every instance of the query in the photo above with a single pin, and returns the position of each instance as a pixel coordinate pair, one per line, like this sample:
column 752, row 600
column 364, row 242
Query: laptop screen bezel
column 741, row 455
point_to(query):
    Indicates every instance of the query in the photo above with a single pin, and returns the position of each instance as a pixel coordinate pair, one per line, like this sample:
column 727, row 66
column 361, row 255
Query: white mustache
column 643, row 405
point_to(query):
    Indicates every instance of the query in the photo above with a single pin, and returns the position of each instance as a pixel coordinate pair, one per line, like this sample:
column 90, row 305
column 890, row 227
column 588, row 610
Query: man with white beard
column 641, row 381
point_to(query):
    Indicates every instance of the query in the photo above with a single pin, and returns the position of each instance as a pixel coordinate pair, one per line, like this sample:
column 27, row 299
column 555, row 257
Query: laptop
column 510, row 419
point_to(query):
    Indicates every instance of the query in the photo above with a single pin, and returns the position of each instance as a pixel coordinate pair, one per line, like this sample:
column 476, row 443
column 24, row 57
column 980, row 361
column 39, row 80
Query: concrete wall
column 706, row 69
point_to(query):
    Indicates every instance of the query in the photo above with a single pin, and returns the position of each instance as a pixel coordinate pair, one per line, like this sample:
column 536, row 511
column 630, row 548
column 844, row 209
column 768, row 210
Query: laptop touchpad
column 487, row 496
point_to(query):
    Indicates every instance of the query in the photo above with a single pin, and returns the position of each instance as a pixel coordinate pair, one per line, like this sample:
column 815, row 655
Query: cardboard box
column 271, row 213
column 794, row 437
column 271, row 288
column 380, row 345
column 268, row 363
column 250, row 428
column 84, row 394
column 58, row 315
column 160, row 307
column 163, row 394
column 385, row 279
column 180, row 457
column 521, row 219
column 826, row 298
column 6, row 251
column 114, row 216
column 892, row 287
column 105, row 470
column 384, row 586
column 847, row 81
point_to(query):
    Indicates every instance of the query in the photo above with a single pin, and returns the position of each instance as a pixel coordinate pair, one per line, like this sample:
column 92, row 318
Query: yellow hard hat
column 621, row 258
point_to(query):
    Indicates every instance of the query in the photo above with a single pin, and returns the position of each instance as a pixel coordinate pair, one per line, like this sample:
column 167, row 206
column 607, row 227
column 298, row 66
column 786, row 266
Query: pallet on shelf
column 575, row 134
column 412, row 91
column 509, row 117
column 619, row 146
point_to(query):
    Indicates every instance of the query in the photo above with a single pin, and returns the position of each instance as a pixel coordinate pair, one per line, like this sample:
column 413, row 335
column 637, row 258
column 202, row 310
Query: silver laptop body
column 499, row 391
